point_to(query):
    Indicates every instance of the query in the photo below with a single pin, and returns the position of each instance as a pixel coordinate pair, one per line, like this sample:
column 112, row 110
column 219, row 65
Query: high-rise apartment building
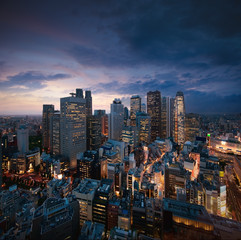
column 48, row 111
column 23, row 139
column 88, row 99
column 135, row 106
column 165, row 117
column 72, row 127
column 179, row 119
column 55, row 133
column 154, row 111
column 116, row 120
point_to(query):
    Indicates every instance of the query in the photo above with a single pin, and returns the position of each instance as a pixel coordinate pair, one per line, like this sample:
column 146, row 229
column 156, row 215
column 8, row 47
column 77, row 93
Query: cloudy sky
column 118, row 49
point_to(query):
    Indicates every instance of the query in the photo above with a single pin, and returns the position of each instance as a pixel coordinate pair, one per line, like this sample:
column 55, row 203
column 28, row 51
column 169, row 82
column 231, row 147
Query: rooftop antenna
column 72, row 94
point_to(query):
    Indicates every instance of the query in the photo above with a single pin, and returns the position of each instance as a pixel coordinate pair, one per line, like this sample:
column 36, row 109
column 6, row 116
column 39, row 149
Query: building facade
column 135, row 106
column 72, row 128
column 154, row 111
column 179, row 119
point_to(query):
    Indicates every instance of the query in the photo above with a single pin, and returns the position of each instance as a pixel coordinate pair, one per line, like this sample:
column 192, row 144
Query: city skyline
column 120, row 49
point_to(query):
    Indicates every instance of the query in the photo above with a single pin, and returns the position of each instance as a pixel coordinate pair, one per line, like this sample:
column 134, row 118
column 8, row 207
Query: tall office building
column 179, row 119
column 135, row 106
column 88, row 99
column 143, row 127
column 192, row 125
column 55, row 133
column 143, row 107
column 104, row 124
column 165, row 118
column 154, row 111
column 99, row 112
column 116, row 120
column 126, row 115
column 130, row 136
column 172, row 114
column 79, row 93
column 23, row 139
column 72, row 127
column 93, row 132
column 100, row 202
column 48, row 111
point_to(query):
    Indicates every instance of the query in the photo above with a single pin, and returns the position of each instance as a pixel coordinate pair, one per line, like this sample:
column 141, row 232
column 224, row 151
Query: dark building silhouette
column 48, row 111
column 93, row 132
column 88, row 103
column 154, row 110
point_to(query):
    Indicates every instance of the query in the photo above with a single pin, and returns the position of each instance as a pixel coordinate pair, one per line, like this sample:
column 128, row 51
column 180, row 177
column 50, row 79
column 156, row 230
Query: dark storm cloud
column 215, row 103
column 32, row 79
column 137, row 87
column 197, row 43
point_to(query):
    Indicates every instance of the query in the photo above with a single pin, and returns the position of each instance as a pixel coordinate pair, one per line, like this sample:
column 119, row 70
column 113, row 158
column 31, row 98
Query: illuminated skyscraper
column 135, row 106
column 116, row 120
column 144, row 127
column 72, row 127
column 179, row 119
column 165, row 118
column 88, row 99
column 48, row 111
column 192, row 124
column 154, row 111
column 55, row 133
column 93, row 132
column 172, row 114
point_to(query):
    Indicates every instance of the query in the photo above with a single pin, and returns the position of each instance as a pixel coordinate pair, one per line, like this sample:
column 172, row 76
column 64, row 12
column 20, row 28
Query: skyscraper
column 143, row 107
column 143, row 127
column 72, row 127
column 126, row 115
column 172, row 114
column 165, row 117
column 179, row 119
column 88, row 99
column 93, row 132
column 192, row 124
column 79, row 93
column 116, row 120
column 48, row 111
column 23, row 139
column 135, row 106
column 154, row 111
column 55, row 133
